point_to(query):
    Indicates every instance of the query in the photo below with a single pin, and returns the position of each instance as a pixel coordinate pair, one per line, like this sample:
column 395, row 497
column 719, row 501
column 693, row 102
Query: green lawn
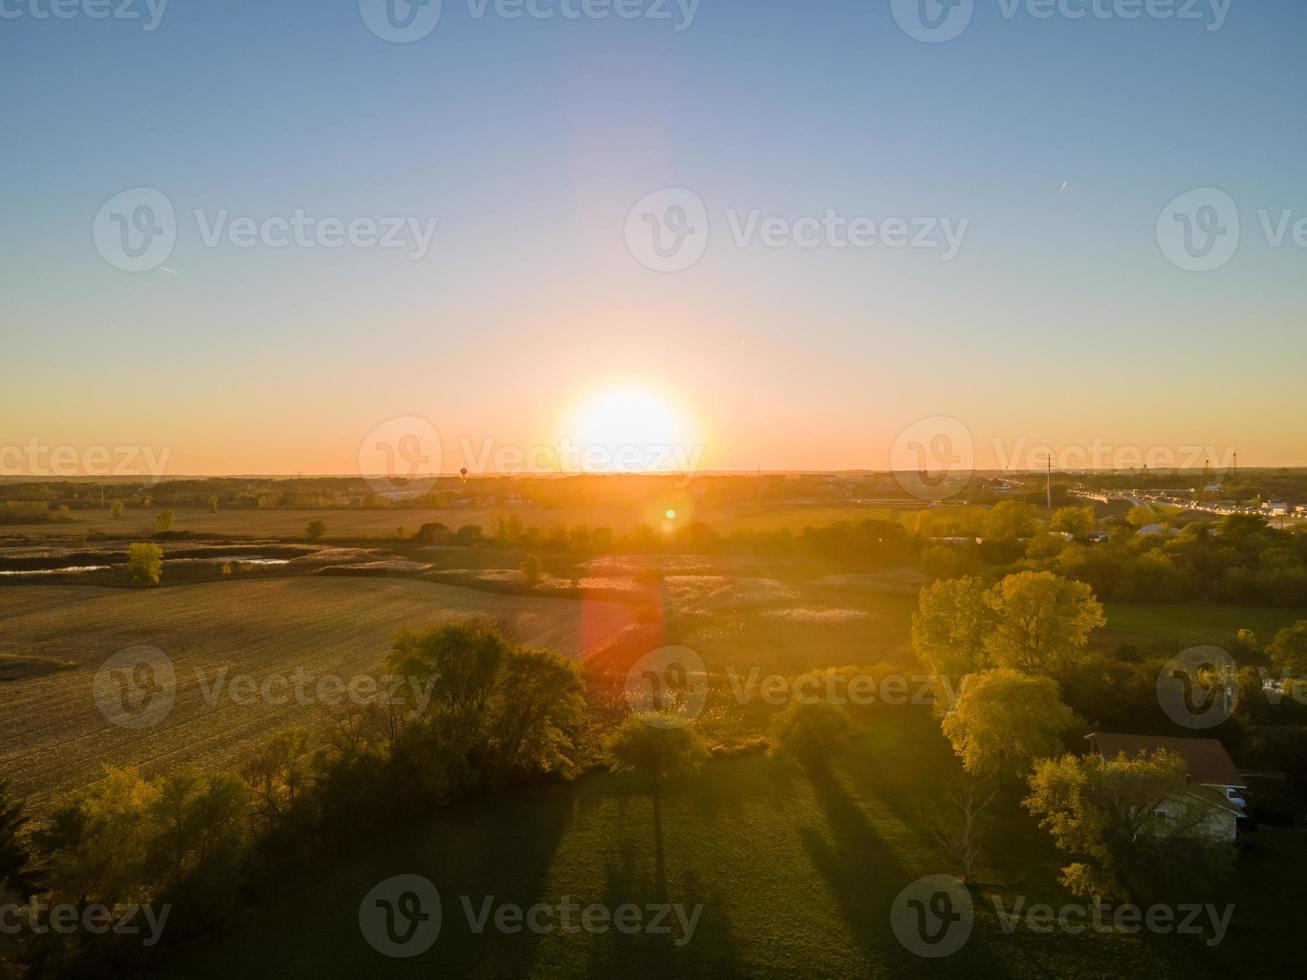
column 796, row 878
column 1192, row 624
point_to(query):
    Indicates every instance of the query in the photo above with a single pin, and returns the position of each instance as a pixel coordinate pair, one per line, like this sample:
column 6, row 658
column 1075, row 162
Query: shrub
column 810, row 734
column 145, row 563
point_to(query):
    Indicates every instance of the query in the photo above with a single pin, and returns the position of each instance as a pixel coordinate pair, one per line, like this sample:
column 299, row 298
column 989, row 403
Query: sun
column 629, row 428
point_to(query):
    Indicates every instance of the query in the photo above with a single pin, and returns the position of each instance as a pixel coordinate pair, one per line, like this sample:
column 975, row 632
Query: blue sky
column 1059, row 321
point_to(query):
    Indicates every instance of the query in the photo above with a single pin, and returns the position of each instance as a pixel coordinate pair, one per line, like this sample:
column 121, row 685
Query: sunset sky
column 1059, row 321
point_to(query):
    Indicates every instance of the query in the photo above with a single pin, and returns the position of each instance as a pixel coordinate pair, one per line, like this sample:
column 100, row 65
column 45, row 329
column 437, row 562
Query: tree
column 213, row 505
column 17, row 878
column 661, row 752
column 1004, row 720
column 277, row 772
column 538, row 712
column 810, row 734
column 1104, row 814
column 958, row 822
column 1076, row 521
column 116, row 509
column 496, row 710
column 458, row 660
column 163, row 521
column 1041, row 620
column 1008, row 520
column 468, row 534
column 431, row 532
column 145, row 563
column 1141, row 515
column 108, row 855
column 1288, row 651
column 950, row 625
column 531, row 569
column 316, row 530
column 131, row 840
column 197, row 819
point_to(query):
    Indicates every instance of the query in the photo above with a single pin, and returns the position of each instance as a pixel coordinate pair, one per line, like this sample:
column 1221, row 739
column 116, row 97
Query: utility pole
column 1050, row 481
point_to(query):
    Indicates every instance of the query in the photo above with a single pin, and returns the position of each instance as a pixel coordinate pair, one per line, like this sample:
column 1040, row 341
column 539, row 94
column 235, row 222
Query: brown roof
column 1206, row 758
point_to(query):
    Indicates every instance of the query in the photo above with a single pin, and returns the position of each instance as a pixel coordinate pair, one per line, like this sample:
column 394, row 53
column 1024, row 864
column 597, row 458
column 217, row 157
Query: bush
column 531, row 569
column 811, row 734
column 145, row 563
column 654, row 746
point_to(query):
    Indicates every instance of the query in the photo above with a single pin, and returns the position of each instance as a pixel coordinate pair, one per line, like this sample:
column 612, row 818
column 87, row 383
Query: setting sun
column 630, row 428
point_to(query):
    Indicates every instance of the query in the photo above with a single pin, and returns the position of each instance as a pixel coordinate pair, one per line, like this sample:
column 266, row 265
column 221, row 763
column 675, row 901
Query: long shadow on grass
column 707, row 948
column 864, row 877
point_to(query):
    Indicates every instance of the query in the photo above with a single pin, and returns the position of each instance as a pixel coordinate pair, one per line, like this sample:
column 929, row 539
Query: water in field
column 70, row 570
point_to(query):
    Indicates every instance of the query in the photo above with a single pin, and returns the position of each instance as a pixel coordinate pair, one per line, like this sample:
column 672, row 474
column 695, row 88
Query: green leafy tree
column 949, row 628
column 132, row 840
column 1141, row 515
column 496, row 710
column 1008, row 520
column 116, row 508
column 646, row 746
column 1041, row 621
column 1004, row 720
column 538, row 712
column 1288, row 651
column 1104, row 815
column 213, row 505
column 163, row 521
column 1076, row 521
column 316, row 530
column 813, row 735
column 197, row 819
column 459, row 661
column 145, row 563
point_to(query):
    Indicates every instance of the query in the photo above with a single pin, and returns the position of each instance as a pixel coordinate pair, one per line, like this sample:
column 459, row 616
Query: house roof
column 1206, row 759
column 1213, row 796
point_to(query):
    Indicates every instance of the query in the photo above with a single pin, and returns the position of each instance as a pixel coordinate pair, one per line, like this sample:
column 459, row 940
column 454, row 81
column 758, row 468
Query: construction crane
column 1202, row 484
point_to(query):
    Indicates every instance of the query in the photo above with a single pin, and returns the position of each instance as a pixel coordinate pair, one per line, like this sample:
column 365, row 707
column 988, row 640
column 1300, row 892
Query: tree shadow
column 710, row 950
column 864, row 877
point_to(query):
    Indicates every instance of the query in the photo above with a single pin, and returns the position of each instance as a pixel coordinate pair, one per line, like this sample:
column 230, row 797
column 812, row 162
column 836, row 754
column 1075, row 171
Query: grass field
column 54, row 739
column 1193, row 624
column 796, row 877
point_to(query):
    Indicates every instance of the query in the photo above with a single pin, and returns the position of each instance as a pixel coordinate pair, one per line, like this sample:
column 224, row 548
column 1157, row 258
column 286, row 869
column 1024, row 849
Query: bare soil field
column 54, row 739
